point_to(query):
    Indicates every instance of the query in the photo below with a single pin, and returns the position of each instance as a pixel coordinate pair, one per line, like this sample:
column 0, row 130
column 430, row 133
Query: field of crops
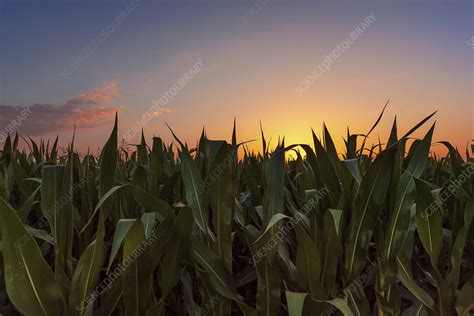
column 383, row 229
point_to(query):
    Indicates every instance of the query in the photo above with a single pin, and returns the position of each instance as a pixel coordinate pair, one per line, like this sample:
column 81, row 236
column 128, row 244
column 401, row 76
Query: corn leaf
column 30, row 282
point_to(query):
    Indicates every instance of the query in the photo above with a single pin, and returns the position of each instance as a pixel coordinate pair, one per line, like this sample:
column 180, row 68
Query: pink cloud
column 86, row 110
column 100, row 95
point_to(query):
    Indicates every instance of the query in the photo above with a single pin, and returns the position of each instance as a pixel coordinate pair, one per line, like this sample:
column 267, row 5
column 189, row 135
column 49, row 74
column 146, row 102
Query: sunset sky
column 77, row 62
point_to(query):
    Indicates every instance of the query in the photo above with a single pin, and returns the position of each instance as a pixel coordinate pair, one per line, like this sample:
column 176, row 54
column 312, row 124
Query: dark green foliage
column 383, row 230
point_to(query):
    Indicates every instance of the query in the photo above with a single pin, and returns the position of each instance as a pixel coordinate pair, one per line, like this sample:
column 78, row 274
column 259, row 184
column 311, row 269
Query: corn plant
column 381, row 229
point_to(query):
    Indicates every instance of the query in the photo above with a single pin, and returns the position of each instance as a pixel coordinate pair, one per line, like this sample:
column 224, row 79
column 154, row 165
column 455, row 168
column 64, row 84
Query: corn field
column 383, row 229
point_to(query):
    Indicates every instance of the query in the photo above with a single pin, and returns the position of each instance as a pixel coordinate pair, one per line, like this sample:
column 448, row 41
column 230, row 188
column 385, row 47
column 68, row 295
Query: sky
column 291, row 65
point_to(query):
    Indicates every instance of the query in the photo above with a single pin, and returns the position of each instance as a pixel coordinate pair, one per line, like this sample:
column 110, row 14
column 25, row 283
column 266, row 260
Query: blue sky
column 415, row 54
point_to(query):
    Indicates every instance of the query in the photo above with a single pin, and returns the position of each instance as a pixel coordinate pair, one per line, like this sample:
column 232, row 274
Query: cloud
column 161, row 111
column 86, row 110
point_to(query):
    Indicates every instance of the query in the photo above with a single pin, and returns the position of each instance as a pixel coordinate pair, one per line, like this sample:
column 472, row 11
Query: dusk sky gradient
column 416, row 54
